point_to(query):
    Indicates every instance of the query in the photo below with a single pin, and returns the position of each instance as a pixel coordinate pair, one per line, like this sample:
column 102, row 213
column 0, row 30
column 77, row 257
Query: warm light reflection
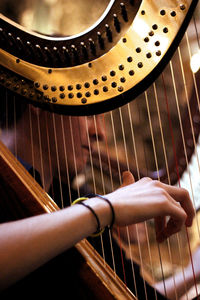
column 140, row 27
column 195, row 62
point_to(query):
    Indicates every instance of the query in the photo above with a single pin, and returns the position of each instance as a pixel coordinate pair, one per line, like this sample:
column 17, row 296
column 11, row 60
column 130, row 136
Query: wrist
column 102, row 210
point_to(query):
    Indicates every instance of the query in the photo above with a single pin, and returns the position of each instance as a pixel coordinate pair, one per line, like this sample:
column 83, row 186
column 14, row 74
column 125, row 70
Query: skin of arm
column 27, row 244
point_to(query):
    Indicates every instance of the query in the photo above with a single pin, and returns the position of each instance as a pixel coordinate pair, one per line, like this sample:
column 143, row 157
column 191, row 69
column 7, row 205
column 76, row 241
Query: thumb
column 127, row 178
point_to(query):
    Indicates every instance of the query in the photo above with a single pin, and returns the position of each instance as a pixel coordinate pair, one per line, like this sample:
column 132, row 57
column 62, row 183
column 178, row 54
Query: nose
column 96, row 127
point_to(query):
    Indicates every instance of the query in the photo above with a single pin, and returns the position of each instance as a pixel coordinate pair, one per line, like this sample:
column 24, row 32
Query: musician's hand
column 147, row 199
column 135, row 232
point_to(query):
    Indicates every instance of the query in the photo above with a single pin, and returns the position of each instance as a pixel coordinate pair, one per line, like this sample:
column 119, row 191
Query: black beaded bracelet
column 108, row 201
column 99, row 230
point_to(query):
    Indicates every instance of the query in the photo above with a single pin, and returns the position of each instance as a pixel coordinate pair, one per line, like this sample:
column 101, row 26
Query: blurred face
column 72, row 139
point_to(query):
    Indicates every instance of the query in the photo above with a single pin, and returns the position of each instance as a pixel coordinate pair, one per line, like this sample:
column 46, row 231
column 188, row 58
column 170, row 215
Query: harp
column 104, row 68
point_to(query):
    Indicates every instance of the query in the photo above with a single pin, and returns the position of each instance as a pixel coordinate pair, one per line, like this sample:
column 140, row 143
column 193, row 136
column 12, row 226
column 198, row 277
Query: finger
column 176, row 221
column 173, row 226
column 182, row 196
column 160, row 224
column 127, row 178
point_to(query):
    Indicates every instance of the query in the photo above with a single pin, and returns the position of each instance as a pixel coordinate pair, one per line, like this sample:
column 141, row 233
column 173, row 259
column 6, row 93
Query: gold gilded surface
column 131, row 60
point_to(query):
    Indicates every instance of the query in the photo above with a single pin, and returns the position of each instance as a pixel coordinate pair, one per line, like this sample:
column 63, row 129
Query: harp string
column 183, row 140
column 92, row 168
column 49, row 154
column 128, row 168
column 196, row 30
column 187, row 100
column 120, row 181
column 32, row 140
column 15, row 126
column 175, row 155
column 157, row 170
column 57, row 159
column 138, row 174
column 101, row 174
column 193, row 75
column 73, row 152
column 175, row 159
column 145, row 223
column 108, row 152
column 194, row 141
column 112, row 188
column 136, row 226
column 169, row 181
column 90, row 157
column 134, row 142
column 167, row 170
column 66, row 159
column 41, row 153
column 161, row 131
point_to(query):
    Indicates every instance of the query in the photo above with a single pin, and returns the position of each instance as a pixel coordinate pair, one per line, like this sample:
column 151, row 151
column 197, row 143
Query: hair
column 12, row 108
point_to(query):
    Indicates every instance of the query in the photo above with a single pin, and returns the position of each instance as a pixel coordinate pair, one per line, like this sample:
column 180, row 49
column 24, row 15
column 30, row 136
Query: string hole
column 71, row 95
column 70, row 87
column 87, row 85
column 122, row 79
column 182, row 6
column 112, row 73
column 84, row 100
column 114, row 84
column 104, row 78
column 95, row 81
column 105, row 89
column 148, row 55
column 79, row 95
column 162, row 12
column 96, row 92
column 88, row 94
column 120, row 88
column 138, row 50
column 78, row 86
column 62, row 96
column 155, row 26
column 129, row 59
column 62, row 88
column 173, row 13
column 165, row 30
column 151, row 33
column 131, row 72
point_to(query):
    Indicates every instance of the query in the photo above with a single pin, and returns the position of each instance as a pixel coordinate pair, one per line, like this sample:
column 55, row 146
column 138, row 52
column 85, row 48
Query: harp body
column 102, row 69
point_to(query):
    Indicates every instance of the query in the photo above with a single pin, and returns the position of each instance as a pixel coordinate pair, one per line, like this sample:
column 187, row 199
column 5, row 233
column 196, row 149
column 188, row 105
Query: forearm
column 27, row 244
